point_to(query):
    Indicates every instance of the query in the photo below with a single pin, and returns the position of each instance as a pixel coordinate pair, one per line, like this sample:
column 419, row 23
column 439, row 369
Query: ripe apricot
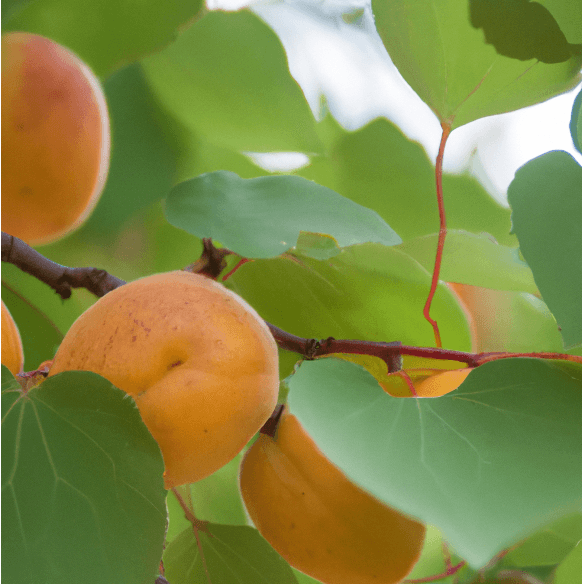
column 200, row 363
column 55, row 138
column 442, row 383
column 318, row 520
column 12, row 353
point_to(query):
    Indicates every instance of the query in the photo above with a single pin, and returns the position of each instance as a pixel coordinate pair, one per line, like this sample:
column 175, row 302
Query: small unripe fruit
column 12, row 353
column 200, row 363
column 55, row 138
column 318, row 520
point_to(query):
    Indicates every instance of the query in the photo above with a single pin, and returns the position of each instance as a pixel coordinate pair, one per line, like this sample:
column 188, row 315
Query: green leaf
column 550, row 545
column 82, row 488
column 368, row 292
column 487, row 463
column 546, row 201
column 106, row 34
column 568, row 15
column 262, row 217
column 432, row 560
column 235, row 554
column 143, row 159
column 568, row 572
column 217, row 497
column 227, row 79
column 43, row 298
column 446, row 51
column 40, row 337
column 576, row 122
column 473, row 259
column 379, row 168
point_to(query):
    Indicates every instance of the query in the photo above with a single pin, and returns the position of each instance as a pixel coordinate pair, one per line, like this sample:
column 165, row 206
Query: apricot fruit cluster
column 200, row 363
column 317, row 519
column 55, row 138
column 12, row 352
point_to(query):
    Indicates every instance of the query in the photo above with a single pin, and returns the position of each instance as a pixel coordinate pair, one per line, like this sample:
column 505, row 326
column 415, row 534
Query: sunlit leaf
column 473, row 259
column 369, row 292
column 227, row 78
column 378, row 167
column 550, row 545
column 468, row 60
column 106, row 34
column 568, row 572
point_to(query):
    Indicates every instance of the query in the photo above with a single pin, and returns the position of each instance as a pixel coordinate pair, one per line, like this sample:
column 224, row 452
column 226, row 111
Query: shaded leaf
column 262, row 217
column 82, row 488
column 520, row 29
column 40, row 337
column 488, row 463
column 226, row 78
column 143, row 159
column 235, row 554
column 546, row 201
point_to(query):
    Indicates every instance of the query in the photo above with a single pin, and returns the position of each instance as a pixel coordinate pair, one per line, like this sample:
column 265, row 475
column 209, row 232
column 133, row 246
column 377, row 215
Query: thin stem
column 197, row 526
column 448, row 572
column 442, row 234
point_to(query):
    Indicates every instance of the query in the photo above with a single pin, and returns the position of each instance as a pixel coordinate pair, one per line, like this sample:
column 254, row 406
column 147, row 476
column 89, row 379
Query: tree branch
column 60, row 278
column 99, row 282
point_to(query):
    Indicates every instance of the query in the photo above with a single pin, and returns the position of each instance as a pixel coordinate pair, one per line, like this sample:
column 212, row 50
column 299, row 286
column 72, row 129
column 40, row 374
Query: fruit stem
column 270, row 426
column 442, row 233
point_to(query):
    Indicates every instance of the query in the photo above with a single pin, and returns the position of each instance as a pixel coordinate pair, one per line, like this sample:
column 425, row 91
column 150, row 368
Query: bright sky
column 349, row 65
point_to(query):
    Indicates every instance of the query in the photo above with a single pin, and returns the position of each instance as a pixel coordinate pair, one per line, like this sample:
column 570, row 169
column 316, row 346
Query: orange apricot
column 442, row 383
column 12, row 352
column 318, row 520
column 55, row 138
column 200, row 363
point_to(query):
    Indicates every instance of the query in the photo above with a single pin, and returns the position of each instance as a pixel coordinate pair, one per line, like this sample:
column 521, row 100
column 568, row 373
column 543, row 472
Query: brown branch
column 99, row 282
column 60, row 278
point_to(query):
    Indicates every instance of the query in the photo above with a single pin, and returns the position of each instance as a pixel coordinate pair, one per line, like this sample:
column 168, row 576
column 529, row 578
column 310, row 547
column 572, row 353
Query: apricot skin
column 55, row 138
column 200, row 363
column 12, row 353
column 442, row 383
column 319, row 521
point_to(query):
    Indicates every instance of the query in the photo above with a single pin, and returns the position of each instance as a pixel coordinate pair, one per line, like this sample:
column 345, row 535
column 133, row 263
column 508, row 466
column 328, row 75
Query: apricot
column 12, row 352
column 200, row 363
column 55, row 138
column 442, row 383
column 317, row 519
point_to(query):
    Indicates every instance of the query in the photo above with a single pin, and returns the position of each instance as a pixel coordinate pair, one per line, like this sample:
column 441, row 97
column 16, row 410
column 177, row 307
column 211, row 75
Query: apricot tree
column 362, row 370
